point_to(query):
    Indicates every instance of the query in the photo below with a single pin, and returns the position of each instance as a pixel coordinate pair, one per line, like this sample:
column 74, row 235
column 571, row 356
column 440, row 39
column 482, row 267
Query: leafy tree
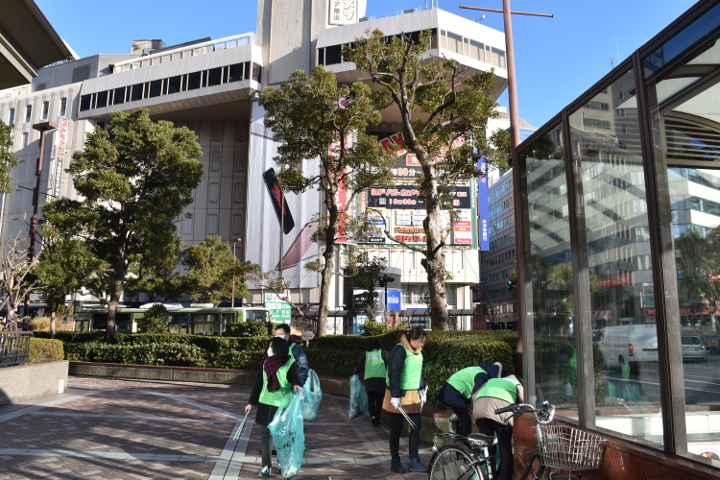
column 134, row 179
column 211, row 267
column 443, row 114
column 155, row 274
column 697, row 264
column 313, row 117
column 63, row 266
column 7, row 159
column 155, row 320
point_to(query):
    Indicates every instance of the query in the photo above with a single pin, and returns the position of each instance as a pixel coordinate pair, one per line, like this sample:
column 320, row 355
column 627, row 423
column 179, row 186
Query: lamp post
column 42, row 128
column 234, row 241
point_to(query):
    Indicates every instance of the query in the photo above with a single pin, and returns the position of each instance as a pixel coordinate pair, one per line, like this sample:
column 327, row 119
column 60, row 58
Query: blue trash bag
column 312, row 395
column 288, row 435
column 358, row 398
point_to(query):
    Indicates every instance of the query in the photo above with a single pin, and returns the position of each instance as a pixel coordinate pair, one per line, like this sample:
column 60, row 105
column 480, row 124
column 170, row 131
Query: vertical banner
column 56, row 165
column 280, row 224
column 483, row 206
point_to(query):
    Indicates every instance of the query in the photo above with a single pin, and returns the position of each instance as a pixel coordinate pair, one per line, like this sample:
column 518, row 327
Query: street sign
column 308, row 335
column 280, row 310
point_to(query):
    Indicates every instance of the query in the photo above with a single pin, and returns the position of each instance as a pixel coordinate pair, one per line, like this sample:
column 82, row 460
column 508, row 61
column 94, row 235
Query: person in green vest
column 498, row 393
column 405, row 389
column 458, row 389
column 374, row 362
column 273, row 388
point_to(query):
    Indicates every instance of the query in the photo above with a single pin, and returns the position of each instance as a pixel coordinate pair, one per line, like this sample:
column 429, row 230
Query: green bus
column 192, row 320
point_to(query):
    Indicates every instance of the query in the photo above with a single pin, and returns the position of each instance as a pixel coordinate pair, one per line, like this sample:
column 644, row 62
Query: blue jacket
column 302, row 362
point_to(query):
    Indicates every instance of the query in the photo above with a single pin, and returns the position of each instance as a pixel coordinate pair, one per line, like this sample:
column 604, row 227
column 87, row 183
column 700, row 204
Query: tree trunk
column 327, row 271
column 52, row 323
column 435, row 259
column 112, row 310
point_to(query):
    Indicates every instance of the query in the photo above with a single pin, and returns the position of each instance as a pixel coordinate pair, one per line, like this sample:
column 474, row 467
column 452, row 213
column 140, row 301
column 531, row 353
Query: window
column 101, row 99
column 119, row 96
column 193, row 81
column 18, row 199
column 237, row 224
column 212, row 224
column 85, row 102
column 137, row 92
column 187, row 226
column 238, row 193
column 333, row 55
column 214, row 76
column 214, row 193
column 215, row 161
column 21, row 171
column 45, row 110
column 25, row 139
column 28, row 113
column 11, row 118
column 15, row 227
column 63, row 106
column 155, row 88
column 477, row 51
column 174, row 84
column 236, row 72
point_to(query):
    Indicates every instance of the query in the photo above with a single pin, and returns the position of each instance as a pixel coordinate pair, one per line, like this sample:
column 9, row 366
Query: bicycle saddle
column 479, row 438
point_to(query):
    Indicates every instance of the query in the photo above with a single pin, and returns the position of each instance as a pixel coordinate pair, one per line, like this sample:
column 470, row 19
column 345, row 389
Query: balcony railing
column 14, row 348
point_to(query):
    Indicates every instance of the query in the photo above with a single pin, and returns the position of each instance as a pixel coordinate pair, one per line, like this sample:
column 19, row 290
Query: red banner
column 615, row 281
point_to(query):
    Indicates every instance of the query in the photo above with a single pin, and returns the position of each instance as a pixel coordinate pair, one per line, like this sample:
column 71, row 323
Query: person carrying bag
column 374, row 363
column 273, row 388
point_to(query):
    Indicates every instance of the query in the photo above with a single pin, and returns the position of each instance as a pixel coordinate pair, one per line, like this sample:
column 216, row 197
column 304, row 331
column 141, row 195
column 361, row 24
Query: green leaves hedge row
column 445, row 352
column 45, row 350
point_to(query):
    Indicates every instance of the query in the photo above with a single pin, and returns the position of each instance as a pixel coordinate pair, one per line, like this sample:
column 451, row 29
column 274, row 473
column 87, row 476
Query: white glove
column 395, row 402
column 423, row 395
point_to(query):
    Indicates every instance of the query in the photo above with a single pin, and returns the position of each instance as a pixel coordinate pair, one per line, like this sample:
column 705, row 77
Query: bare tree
column 16, row 280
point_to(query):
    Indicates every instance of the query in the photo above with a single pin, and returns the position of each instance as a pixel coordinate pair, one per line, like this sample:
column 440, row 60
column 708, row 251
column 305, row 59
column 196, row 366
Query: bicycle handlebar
column 547, row 411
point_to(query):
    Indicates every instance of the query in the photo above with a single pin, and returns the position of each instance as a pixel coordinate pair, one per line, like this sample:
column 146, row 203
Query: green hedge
column 250, row 329
column 45, row 350
column 75, row 337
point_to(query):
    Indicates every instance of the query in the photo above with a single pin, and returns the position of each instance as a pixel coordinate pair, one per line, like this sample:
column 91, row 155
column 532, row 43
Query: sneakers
column 396, row 465
column 375, row 421
column 265, row 472
column 417, row 466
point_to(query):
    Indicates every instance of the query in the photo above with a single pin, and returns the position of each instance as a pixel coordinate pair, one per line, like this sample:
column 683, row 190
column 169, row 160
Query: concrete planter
column 22, row 383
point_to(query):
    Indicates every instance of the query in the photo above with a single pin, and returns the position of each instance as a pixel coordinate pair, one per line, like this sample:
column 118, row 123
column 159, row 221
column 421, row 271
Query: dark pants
column 375, row 401
column 267, row 444
column 396, row 425
column 504, row 435
column 465, row 422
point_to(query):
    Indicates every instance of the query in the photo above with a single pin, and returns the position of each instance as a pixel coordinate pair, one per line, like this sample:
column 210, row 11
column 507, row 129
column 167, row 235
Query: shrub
column 375, row 329
column 155, row 320
column 73, row 336
column 250, row 329
column 177, row 354
column 44, row 350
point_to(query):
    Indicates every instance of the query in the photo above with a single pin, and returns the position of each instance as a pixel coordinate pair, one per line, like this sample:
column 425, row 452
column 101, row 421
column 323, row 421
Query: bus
column 192, row 320
column 703, row 325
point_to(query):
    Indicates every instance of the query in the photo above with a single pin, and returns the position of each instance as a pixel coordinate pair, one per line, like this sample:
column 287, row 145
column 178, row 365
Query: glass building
column 619, row 264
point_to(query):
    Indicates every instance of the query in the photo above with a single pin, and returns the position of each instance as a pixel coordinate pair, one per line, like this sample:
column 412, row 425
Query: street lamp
column 42, row 128
column 234, row 241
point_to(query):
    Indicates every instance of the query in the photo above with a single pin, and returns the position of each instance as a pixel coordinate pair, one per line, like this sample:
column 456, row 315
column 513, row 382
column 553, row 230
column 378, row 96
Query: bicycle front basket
column 567, row 448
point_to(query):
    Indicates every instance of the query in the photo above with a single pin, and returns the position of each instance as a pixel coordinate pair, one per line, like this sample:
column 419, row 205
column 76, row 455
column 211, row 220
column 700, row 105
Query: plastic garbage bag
column 312, row 397
column 288, row 435
column 358, row 398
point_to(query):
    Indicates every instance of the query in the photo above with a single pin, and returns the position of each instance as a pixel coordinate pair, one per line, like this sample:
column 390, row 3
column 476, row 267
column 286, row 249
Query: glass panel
column 193, row 81
column 174, row 84
column 155, row 88
column 214, row 76
column 604, row 135
column 102, row 99
column 550, row 303
column 236, row 72
column 686, row 130
column 137, row 92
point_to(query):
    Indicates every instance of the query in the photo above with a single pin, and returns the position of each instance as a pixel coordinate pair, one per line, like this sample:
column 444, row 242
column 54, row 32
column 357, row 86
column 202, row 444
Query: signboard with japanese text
column 280, row 310
column 58, row 160
column 342, row 12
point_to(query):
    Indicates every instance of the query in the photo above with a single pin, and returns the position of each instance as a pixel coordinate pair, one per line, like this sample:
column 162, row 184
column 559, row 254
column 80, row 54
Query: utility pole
column 517, row 198
column 43, row 128
column 234, row 241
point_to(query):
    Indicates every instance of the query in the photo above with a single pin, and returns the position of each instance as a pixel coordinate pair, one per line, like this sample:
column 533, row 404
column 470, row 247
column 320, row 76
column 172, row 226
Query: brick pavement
column 118, row 429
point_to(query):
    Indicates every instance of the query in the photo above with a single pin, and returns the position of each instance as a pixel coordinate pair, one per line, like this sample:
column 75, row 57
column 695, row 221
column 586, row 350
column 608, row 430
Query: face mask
column 270, row 352
column 284, row 337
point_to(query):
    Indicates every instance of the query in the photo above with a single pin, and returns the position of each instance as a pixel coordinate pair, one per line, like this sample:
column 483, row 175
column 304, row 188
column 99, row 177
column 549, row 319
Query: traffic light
column 385, row 279
column 511, row 284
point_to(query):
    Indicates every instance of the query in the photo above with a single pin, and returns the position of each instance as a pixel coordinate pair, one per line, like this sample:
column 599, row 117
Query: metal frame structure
column 664, row 275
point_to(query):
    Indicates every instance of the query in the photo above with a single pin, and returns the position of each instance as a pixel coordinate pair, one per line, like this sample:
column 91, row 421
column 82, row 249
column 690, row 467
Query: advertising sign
column 280, row 310
column 615, row 281
column 483, row 214
column 58, row 161
column 281, row 225
column 345, row 12
column 394, row 299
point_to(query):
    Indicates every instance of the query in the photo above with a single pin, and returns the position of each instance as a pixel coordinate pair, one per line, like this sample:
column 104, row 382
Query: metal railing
column 14, row 348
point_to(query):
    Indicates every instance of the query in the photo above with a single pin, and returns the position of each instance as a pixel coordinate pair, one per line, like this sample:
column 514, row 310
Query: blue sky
column 557, row 59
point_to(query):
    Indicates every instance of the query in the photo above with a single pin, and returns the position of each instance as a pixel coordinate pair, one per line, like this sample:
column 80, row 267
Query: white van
column 628, row 344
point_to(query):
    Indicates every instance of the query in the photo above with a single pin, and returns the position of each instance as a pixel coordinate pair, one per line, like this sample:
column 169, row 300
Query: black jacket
column 395, row 365
column 265, row 412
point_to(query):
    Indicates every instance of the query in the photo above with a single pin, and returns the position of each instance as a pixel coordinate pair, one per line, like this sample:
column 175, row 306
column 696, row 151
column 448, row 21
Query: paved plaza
column 113, row 429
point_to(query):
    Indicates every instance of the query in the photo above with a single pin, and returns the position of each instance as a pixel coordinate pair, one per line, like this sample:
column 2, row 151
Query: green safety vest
column 374, row 365
column 412, row 370
column 464, row 380
column 502, row 388
column 280, row 397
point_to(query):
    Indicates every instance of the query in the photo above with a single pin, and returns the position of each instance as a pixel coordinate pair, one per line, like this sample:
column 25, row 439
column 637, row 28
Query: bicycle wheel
column 453, row 462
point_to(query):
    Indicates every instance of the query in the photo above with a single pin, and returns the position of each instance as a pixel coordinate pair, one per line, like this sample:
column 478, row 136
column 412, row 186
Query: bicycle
column 560, row 447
